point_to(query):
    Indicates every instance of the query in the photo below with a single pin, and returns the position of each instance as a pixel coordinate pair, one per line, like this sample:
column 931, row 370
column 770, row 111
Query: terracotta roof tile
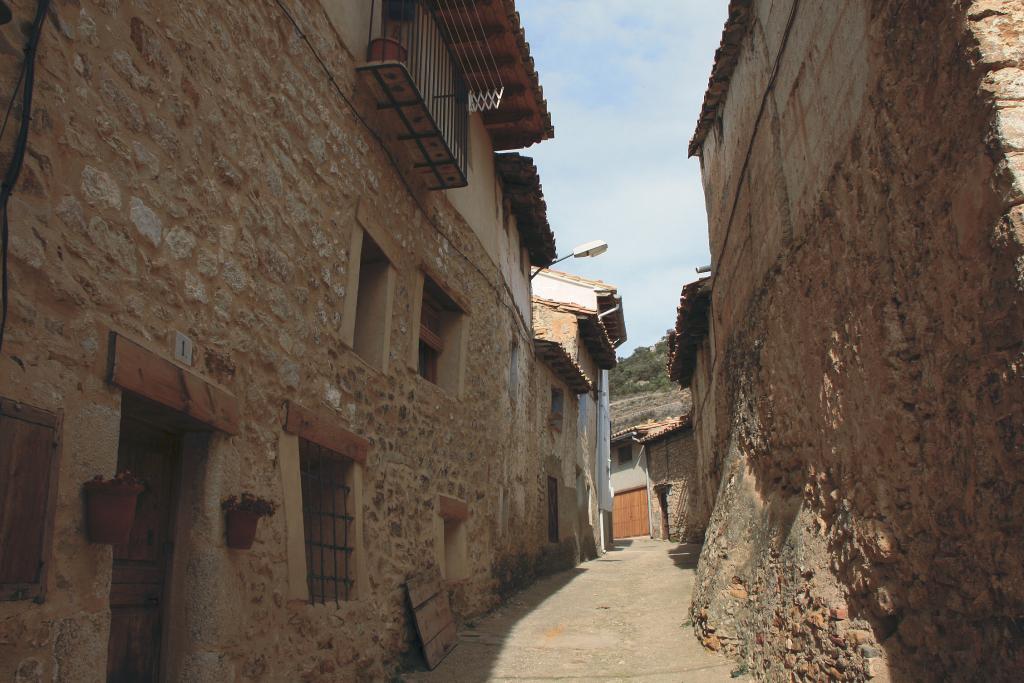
column 726, row 57
column 691, row 328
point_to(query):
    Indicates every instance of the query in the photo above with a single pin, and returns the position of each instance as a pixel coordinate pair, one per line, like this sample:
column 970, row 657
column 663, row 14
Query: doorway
column 630, row 514
column 552, row 510
column 663, row 502
column 140, row 567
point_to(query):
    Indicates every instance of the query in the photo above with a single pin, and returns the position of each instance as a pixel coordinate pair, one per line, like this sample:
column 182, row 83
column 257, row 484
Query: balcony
column 416, row 75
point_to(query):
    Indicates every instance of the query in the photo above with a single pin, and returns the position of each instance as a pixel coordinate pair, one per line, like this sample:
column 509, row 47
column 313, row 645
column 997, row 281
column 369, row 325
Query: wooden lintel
column 324, row 430
column 142, row 372
column 461, row 301
column 452, row 508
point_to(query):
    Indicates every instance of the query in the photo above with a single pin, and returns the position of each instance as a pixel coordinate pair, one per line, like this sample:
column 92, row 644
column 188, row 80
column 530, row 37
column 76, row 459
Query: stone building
column 585, row 319
column 588, row 317
column 855, row 358
column 671, row 452
column 652, row 475
column 269, row 248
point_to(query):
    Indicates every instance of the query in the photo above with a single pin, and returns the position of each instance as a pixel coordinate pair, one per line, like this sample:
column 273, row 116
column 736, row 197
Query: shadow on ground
column 685, row 555
column 590, row 630
column 413, row 667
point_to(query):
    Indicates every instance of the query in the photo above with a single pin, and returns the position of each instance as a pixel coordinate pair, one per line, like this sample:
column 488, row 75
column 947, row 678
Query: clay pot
column 241, row 528
column 110, row 510
column 386, row 50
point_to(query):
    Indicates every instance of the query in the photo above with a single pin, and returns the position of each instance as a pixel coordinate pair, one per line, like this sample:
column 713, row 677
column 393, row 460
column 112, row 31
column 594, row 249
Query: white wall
column 554, row 288
column 630, row 475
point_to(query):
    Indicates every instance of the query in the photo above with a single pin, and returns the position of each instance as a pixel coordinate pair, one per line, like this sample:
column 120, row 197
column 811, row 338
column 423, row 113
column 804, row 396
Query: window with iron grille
column 328, row 516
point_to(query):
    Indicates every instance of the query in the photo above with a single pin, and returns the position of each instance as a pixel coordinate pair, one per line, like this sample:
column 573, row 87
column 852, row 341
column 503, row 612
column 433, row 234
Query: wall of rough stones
column 672, row 461
column 865, row 193
column 192, row 168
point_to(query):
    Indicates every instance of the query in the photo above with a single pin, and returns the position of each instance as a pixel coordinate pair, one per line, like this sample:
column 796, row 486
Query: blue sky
column 624, row 81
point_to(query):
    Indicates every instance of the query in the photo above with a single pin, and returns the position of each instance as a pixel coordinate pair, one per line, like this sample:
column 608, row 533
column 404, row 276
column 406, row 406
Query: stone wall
column 861, row 390
column 672, row 462
column 192, row 168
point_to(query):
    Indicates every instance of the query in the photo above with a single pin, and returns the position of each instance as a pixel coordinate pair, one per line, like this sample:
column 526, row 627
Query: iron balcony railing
column 408, row 32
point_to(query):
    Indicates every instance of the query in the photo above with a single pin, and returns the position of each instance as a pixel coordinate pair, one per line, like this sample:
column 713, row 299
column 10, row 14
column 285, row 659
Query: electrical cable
column 18, row 156
column 401, row 176
column 746, row 163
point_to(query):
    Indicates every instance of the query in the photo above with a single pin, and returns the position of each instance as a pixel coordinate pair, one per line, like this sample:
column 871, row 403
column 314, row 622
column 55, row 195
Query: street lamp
column 587, row 250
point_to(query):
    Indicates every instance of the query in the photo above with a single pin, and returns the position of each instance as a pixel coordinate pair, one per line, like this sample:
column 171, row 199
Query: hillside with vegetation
column 640, row 390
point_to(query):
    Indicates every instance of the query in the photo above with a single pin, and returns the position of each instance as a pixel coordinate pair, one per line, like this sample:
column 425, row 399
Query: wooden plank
column 438, row 648
column 142, row 372
column 27, row 454
column 22, row 411
column 433, row 616
column 452, row 508
column 324, row 430
column 422, row 587
column 435, row 623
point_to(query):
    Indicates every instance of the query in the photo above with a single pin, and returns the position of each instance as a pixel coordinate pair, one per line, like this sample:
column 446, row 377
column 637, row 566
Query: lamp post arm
column 551, row 264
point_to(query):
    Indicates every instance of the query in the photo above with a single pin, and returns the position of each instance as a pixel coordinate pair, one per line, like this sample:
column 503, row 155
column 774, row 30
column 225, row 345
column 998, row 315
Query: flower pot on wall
column 386, row 50
column 241, row 528
column 110, row 510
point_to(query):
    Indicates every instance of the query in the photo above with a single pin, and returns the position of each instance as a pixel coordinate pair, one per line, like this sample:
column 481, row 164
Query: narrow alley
column 614, row 618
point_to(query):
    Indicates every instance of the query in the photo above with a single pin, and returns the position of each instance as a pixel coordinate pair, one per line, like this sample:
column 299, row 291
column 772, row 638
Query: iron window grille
column 328, row 519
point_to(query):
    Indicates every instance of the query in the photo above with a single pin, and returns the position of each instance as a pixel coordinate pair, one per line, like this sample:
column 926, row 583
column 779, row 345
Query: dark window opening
column 439, row 356
column 557, row 408
column 625, row 454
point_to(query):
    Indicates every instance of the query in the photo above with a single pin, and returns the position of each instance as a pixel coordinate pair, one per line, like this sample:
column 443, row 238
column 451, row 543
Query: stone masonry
column 859, row 389
column 191, row 167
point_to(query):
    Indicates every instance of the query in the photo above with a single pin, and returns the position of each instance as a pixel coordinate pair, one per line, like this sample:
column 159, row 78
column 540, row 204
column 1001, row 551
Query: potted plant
column 243, row 515
column 110, row 507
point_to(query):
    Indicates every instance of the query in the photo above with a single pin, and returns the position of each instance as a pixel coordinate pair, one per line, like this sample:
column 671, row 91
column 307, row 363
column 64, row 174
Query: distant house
column 578, row 324
column 652, row 476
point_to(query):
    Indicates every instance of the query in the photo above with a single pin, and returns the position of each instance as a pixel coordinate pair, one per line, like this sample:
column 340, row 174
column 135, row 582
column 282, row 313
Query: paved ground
column 616, row 618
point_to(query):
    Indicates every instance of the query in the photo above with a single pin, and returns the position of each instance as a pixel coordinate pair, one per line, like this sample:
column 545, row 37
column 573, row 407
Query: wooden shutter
column 28, row 482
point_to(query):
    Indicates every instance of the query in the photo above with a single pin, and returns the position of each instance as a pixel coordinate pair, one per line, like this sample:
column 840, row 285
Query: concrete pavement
column 617, row 618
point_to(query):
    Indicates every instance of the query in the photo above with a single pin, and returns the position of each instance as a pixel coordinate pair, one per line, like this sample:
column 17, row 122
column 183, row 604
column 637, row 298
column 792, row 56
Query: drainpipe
column 647, row 483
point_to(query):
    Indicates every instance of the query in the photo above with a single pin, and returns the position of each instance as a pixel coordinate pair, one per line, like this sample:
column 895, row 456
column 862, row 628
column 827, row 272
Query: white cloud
column 624, row 82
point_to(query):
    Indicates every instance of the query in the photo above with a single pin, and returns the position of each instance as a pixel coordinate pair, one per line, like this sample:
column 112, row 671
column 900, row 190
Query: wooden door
column 140, row 566
column 552, row 510
column 629, row 514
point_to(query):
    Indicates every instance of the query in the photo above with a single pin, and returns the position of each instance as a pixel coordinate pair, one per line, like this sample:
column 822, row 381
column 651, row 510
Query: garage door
column 629, row 515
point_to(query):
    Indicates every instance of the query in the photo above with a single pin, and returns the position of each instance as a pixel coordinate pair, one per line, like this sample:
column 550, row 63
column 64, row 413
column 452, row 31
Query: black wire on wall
column 26, row 77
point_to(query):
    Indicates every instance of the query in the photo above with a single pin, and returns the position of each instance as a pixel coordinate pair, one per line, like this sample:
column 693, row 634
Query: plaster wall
column 630, row 475
column 861, row 391
column 554, row 288
column 193, row 169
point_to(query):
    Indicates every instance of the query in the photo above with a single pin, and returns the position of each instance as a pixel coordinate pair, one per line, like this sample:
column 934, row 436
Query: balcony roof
column 502, row 55
column 556, row 357
column 521, row 184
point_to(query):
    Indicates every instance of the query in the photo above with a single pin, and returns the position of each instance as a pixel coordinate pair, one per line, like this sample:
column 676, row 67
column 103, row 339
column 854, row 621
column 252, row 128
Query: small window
column 28, row 460
column 455, row 550
column 625, row 454
column 440, row 338
column 513, row 371
column 453, row 514
column 584, row 401
column 557, row 413
column 373, row 310
column 329, row 521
